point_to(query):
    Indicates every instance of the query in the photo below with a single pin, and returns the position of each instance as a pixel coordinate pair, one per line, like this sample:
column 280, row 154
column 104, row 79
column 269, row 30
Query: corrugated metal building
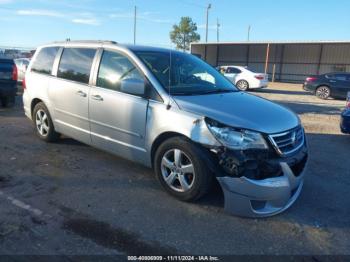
column 286, row 61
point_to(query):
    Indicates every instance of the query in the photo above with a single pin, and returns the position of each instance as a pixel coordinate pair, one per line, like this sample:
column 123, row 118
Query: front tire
column 180, row 169
column 43, row 123
column 242, row 85
column 323, row 92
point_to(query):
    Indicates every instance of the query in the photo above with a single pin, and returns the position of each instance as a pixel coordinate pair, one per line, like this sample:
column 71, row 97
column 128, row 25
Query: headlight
column 237, row 139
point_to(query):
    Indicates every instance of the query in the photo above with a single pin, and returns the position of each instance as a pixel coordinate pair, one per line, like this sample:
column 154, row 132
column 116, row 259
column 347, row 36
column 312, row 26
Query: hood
column 242, row 110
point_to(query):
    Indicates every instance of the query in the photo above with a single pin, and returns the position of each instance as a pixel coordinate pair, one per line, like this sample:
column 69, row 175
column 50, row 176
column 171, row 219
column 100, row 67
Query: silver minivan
column 174, row 113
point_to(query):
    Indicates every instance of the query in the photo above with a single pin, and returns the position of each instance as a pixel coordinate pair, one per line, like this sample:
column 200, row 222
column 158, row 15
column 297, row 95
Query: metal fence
column 16, row 52
column 285, row 62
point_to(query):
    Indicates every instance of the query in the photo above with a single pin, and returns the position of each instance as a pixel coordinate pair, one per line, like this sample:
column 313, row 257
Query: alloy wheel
column 242, row 85
column 178, row 170
column 323, row 92
column 42, row 122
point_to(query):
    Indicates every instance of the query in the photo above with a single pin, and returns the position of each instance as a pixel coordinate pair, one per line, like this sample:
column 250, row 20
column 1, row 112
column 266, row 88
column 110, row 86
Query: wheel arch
column 34, row 102
column 319, row 85
column 160, row 139
column 326, row 85
column 202, row 151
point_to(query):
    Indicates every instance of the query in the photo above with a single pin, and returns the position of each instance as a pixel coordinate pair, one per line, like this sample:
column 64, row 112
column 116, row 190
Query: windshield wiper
column 217, row 91
column 199, row 92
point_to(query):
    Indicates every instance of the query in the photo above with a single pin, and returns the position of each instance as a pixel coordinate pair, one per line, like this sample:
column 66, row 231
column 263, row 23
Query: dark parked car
column 345, row 118
column 335, row 85
column 8, row 81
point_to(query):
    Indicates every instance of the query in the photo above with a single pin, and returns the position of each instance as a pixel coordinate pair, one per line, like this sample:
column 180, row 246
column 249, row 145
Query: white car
column 244, row 78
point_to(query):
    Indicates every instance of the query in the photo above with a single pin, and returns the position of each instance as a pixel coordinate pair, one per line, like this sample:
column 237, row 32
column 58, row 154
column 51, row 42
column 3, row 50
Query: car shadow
column 215, row 197
column 325, row 198
column 70, row 141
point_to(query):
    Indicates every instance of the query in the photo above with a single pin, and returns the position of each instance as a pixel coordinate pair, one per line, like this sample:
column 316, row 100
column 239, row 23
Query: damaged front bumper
column 265, row 196
column 261, row 198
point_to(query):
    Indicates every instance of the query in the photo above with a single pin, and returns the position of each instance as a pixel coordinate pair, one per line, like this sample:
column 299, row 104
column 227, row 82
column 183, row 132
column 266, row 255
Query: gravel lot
column 68, row 198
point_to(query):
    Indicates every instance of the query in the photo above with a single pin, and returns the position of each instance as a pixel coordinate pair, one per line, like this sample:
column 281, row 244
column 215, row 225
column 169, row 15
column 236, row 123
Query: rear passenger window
column 115, row 67
column 340, row 77
column 76, row 64
column 44, row 61
column 233, row 70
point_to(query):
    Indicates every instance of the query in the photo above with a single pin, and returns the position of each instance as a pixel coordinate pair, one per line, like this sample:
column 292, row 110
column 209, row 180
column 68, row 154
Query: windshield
column 187, row 75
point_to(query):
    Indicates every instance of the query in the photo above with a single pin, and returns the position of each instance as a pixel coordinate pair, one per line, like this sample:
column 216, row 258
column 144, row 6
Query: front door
column 340, row 84
column 117, row 119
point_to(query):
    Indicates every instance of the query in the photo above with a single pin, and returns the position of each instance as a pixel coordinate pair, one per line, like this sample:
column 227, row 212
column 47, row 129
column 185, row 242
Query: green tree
column 184, row 33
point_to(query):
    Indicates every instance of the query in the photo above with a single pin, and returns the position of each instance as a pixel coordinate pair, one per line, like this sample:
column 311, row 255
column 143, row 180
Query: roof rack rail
column 88, row 41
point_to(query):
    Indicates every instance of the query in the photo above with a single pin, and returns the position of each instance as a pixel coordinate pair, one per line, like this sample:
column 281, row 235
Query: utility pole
column 267, row 57
column 217, row 30
column 248, row 37
column 135, row 25
column 206, row 27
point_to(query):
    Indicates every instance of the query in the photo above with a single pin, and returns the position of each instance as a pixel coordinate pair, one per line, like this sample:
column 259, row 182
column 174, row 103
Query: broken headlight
column 237, row 139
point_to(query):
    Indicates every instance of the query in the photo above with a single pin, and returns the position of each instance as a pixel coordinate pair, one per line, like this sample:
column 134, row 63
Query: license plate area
column 5, row 75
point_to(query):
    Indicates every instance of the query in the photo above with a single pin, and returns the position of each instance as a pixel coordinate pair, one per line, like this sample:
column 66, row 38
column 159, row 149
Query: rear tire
column 43, row 123
column 323, row 92
column 242, row 85
column 180, row 169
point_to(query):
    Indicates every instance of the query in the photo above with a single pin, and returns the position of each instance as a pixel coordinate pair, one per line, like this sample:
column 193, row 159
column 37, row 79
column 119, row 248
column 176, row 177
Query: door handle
column 332, row 81
column 81, row 93
column 97, row 97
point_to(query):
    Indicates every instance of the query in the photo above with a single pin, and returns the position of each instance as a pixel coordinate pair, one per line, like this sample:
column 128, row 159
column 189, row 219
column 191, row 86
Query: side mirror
column 133, row 86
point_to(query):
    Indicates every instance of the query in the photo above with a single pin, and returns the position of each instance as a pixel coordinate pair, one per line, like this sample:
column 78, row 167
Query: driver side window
column 115, row 67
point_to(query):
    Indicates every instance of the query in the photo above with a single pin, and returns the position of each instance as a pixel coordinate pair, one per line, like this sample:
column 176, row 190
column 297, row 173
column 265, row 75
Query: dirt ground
column 67, row 198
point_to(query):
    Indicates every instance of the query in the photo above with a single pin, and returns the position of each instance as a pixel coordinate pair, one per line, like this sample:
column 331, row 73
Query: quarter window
column 44, row 61
column 115, row 67
column 76, row 64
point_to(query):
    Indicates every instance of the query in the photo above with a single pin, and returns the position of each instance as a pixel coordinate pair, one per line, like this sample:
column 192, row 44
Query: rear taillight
column 311, row 79
column 260, row 77
column 24, row 83
column 14, row 73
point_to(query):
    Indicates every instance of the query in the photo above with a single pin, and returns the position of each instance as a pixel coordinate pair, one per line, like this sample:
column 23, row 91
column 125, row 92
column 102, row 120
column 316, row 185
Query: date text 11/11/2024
column 173, row 258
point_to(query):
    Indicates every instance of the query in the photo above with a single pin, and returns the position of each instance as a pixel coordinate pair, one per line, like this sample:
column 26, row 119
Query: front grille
column 288, row 142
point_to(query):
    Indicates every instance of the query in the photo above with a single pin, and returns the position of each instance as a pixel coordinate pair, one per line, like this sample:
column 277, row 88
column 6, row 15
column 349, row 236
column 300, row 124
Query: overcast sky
column 28, row 23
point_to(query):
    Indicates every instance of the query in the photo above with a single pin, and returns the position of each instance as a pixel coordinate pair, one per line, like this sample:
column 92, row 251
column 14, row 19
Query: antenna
column 169, row 83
